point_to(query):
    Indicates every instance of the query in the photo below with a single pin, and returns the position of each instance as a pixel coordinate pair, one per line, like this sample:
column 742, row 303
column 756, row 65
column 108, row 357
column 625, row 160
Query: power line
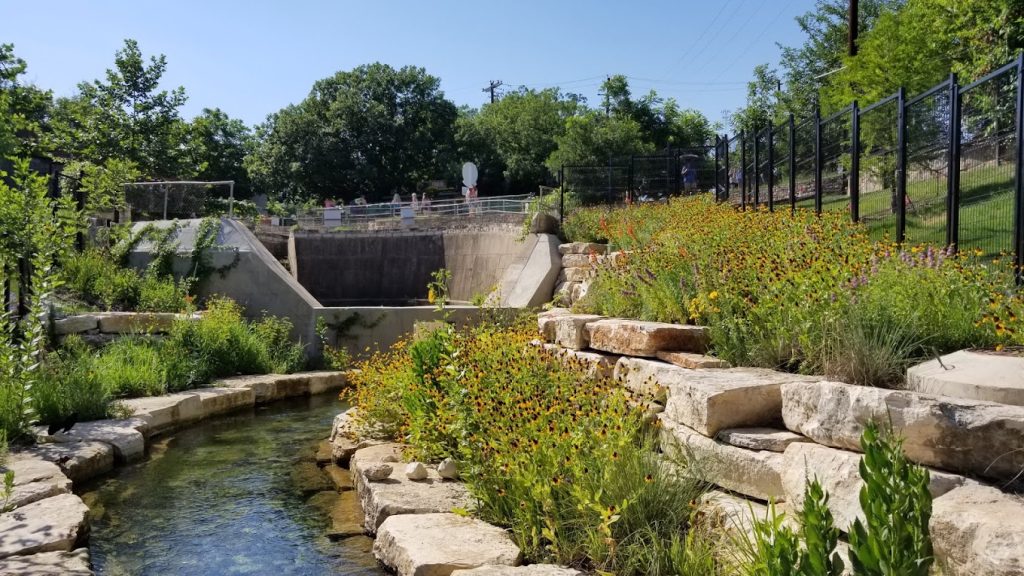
column 764, row 29
column 696, row 42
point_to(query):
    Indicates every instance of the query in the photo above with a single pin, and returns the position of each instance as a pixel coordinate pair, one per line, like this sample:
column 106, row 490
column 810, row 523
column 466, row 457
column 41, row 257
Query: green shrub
column 131, row 367
column 897, row 506
column 70, row 388
column 95, row 277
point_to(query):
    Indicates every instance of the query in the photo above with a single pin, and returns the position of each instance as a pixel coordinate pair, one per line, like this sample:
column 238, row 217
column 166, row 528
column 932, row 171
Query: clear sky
column 252, row 58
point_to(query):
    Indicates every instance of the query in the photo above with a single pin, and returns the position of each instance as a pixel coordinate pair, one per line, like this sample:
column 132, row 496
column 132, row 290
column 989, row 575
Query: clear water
column 219, row 498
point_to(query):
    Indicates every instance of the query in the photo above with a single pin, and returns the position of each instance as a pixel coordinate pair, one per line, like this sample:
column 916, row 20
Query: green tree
column 593, row 139
column 762, row 102
column 217, row 147
column 24, row 109
column 126, row 116
column 473, row 143
column 374, row 130
column 523, row 126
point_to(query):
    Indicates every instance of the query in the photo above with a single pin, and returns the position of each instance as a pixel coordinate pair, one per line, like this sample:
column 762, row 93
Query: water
column 220, row 498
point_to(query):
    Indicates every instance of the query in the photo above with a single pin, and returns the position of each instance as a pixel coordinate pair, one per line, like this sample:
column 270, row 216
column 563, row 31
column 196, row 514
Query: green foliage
column 367, row 151
column 23, row 109
column 131, row 367
column 799, row 292
column 819, row 534
column 103, row 184
column 217, row 145
column 559, row 458
column 71, row 387
column 775, row 548
column 897, row 506
column 94, row 277
column 592, row 138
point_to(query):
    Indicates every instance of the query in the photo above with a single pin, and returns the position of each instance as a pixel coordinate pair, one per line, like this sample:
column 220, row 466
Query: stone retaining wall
column 760, row 433
column 117, row 323
column 48, row 529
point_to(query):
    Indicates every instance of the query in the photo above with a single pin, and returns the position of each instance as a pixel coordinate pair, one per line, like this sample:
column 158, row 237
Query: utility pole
column 854, row 24
column 492, row 86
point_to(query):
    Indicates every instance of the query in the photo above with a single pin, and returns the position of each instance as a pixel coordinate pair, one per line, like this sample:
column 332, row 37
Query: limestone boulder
column 346, row 437
column 531, row 570
column 217, row 400
column 691, row 360
column 570, row 330
column 582, row 248
column 51, row 524
column 136, row 322
column 124, row 436
column 439, row 544
column 75, row 324
column 771, row 439
column 974, row 375
column 639, row 338
column 162, row 413
column 34, row 479
column 545, row 322
column 73, row 563
column 577, row 274
column 839, row 474
column 757, row 474
column 78, row 460
column 398, row 495
column 326, row 380
column 964, row 436
column 577, row 261
column 979, row 530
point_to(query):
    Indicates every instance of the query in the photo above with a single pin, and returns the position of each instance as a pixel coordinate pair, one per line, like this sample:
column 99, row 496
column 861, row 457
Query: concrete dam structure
column 359, row 285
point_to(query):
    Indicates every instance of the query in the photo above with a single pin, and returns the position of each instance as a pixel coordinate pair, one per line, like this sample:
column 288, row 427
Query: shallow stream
column 225, row 496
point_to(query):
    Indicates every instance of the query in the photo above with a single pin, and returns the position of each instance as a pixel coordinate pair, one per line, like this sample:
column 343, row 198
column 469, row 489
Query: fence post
column 953, row 175
column 757, row 172
column 818, row 160
column 901, row 165
column 166, row 190
column 771, row 166
column 561, row 194
column 792, row 164
column 855, row 162
column 79, row 196
column 743, row 171
column 718, row 142
column 1018, row 206
column 728, row 180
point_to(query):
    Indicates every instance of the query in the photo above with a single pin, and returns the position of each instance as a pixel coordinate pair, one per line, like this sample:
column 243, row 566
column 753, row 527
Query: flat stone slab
column 972, row 375
column 963, row 436
column 398, row 495
column 124, row 436
column 75, row 324
column 771, row 439
column 162, row 413
column 136, row 322
column 838, row 472
column 73, row 563
column 569, row 330
column 49, row 525
column 78, row 460
column 692, row 360
column 531, row 570
column 709, row 400
column 218, row 400
column 977, row 529
column 439, row 544
column 757, row 474
column 594, row 364
column 34, row 479
column 326, row 380
column 578, row 261
column 639, row 338
column 582, row 248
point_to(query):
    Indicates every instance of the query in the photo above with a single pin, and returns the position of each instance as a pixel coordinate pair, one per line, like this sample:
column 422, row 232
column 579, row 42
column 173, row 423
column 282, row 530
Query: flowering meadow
column 800, row 292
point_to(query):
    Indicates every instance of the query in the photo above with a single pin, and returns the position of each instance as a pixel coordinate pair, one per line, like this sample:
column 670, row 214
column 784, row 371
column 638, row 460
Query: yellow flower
column 431, row 297
column 713, row 295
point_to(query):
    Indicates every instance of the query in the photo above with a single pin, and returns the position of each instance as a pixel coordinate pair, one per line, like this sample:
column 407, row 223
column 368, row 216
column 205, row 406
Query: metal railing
column 943, row 167
column 357, row 214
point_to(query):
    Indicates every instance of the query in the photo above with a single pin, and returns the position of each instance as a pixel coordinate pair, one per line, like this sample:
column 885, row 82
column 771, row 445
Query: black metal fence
column 943, row 167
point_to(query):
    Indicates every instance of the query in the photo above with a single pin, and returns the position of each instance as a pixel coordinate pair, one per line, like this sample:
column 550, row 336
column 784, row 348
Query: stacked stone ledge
column 578, row 262
column 761, row 434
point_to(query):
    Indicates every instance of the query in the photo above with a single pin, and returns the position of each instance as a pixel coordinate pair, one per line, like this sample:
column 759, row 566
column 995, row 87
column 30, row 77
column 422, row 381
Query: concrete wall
column 395, row 267
column 359, row 328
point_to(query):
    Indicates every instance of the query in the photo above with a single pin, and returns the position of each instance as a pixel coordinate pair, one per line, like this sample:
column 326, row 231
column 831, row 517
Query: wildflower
column 713, row 295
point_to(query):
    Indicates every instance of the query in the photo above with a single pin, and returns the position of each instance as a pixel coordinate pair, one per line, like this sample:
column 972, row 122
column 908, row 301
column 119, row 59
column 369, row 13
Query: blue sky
column 252, row 58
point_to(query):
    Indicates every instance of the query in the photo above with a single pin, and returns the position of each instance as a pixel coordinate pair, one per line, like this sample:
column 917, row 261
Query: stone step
column 74, row 563
column 977, row 529
column 709, row 400
column 162, row 413
column 439, row 544
column 692, row 360
column 570, row 330
column 757, row 474
column 398, row 495
column 578, row 261
column 34, row 479
column 771, row 439
column 125, row 436
column 80, row 460
column 838, row 472
column 594, row 363
column 218, row 400
column 640, row 338
column 49, row 525
column 973, row 375
column 546, row 324
column 582, row 248
column 962, row 436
